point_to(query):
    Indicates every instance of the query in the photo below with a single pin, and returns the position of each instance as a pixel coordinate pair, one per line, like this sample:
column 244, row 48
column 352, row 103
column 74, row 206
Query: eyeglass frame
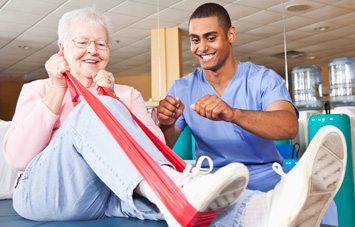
column 89, row 41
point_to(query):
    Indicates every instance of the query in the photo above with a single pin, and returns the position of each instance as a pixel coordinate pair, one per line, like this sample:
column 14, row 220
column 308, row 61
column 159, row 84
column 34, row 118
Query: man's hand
column 169, row 110
column 213, row 108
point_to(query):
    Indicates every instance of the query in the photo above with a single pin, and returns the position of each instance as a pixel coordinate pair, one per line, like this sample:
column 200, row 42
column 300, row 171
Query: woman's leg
column 73, row 177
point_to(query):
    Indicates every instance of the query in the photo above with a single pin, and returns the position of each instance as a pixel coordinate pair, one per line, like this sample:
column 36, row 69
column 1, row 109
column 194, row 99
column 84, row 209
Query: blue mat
column 9, row 218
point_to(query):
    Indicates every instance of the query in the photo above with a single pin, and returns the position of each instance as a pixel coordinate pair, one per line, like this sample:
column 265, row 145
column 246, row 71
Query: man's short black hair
column 211, row 10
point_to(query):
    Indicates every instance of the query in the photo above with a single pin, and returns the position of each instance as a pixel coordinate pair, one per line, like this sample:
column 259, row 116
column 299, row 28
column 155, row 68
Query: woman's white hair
column 88, row 15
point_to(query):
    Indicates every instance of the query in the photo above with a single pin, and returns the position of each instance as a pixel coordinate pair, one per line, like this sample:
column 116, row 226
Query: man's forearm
column 272, row 125
column 171, row 134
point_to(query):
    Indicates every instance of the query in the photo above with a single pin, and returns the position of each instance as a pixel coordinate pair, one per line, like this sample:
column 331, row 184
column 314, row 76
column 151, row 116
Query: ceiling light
column 24, row 47
column 311, row 57
column 321, row 29
column 298, row 7
column 290, row 54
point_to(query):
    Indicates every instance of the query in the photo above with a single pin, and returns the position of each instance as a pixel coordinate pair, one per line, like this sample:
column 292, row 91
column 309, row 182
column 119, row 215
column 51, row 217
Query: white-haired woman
column 72, row 167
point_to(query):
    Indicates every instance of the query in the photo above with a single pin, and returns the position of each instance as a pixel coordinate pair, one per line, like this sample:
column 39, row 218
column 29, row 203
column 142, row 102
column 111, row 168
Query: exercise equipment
column 308, row 98
column 170, row 195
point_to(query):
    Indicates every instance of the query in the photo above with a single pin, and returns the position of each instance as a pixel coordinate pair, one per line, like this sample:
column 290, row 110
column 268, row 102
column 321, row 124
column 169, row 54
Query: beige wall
column 9, row 92
column 141, row 83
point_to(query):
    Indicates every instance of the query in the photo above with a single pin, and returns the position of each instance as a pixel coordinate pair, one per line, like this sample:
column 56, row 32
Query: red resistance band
column 171, row 196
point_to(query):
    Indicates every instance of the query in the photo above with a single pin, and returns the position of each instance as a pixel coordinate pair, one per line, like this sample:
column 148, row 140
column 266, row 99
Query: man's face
column 209, row 43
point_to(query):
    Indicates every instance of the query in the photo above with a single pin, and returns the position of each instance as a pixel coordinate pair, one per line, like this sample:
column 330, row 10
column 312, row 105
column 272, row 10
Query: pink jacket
column 34, row 125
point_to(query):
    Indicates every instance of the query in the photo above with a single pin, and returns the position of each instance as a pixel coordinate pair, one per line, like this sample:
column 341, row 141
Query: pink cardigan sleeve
column 31, row 127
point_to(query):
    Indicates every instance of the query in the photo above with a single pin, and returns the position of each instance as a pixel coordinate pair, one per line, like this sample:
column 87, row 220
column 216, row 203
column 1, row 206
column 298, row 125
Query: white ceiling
column 259, row 25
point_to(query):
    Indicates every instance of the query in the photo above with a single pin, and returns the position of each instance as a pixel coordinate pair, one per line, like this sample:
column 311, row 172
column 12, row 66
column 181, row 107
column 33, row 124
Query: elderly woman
column 73, row 169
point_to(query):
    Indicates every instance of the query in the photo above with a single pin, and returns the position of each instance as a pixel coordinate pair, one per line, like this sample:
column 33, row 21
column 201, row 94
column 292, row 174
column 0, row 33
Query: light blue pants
column 83, row 174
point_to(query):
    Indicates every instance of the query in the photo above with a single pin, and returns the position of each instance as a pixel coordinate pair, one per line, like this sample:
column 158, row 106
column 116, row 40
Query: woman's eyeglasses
column 85, row 43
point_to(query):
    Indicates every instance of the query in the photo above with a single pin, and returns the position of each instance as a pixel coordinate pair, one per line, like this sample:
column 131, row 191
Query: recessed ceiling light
column 321, row 29
column 311, row 57
column 298, row 7
column 24, row 47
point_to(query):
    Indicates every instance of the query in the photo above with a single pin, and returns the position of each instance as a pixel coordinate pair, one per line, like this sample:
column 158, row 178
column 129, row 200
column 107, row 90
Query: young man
column 235, row 110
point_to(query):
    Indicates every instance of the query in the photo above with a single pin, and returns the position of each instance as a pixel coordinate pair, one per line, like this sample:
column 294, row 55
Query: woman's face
column 84, row 61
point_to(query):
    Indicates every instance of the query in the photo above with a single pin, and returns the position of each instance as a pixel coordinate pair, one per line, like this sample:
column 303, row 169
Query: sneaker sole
column 227, row 190
column 327, row 172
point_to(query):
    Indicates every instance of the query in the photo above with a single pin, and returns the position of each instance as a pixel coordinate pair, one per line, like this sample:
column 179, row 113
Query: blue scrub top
column 253, row 87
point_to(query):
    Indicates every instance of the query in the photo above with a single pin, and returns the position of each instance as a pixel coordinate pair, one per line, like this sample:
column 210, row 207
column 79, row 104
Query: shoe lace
column 278, row 169
column 191, row 172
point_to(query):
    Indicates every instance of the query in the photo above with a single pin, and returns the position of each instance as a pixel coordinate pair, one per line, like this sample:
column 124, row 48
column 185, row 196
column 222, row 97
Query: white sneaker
column 207, row 192
column 303, row 195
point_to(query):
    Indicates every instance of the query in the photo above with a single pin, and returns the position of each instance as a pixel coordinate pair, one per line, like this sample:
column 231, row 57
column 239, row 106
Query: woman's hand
column 104, row 79
column 56, row 67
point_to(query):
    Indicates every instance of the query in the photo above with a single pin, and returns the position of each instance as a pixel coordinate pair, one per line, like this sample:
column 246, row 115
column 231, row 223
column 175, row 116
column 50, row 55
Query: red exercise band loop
column 171, row 196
